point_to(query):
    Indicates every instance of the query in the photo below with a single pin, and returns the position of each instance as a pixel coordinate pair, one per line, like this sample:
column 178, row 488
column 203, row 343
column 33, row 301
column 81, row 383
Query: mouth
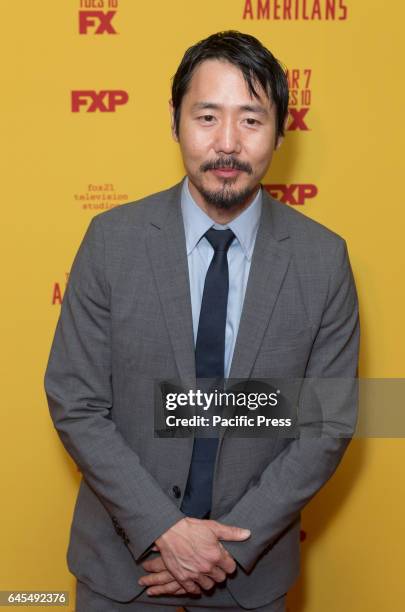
column 225, row 172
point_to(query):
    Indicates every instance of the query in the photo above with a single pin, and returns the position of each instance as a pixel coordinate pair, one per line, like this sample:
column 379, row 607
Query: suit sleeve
column 78, row 385
column 289, row 482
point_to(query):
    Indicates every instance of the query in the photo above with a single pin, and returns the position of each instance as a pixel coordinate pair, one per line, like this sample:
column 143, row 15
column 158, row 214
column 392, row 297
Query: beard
column 226, row 197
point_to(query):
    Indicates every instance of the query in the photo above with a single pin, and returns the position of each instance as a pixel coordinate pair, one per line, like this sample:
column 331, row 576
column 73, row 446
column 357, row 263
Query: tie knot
column 220, row 240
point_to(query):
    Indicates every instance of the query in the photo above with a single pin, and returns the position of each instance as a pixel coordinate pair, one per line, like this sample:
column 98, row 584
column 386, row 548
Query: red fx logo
column 96, row 19
column 104, row 101
column 297, row 116
column 292, row 194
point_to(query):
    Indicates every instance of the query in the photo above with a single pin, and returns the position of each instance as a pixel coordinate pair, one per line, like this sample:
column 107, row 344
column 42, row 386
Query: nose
column 227, row 137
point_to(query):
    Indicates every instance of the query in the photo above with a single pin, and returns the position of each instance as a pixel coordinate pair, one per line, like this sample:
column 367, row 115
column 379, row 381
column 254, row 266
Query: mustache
column 228, row 163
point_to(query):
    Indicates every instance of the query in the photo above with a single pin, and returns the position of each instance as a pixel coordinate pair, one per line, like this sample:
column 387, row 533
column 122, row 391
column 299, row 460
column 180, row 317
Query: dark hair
column 252, row 58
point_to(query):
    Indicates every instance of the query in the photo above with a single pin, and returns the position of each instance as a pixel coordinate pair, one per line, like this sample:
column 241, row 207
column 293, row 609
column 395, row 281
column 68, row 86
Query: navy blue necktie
column 209, row 362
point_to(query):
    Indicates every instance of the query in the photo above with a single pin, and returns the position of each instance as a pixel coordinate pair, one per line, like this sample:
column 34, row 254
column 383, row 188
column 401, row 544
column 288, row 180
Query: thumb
column 229, row 532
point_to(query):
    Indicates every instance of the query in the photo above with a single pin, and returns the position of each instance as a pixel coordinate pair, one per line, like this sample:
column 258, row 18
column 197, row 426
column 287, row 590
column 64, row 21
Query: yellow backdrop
column 341, row 164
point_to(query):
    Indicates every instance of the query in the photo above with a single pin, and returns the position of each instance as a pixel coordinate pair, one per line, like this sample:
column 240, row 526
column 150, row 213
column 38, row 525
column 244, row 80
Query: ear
column 279, row 142
column 281, row 138
column 172, row 125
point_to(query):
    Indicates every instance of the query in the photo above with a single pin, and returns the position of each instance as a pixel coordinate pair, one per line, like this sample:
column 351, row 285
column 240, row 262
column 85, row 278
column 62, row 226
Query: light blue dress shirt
column 200, row 253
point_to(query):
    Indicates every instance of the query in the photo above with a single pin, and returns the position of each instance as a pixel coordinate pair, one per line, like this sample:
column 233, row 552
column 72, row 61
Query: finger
column 154, row 565
column 226, row 562
column 217, row 574
column 156, row 578
column 228, row 532
column 180, row 592
column 170, row 588
column 190, row 586
column 205, row 582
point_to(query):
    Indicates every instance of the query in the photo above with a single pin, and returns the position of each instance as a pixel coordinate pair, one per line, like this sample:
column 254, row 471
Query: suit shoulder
column 306, row 231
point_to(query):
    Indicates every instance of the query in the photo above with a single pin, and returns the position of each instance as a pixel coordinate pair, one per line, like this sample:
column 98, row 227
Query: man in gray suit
column 209, row 277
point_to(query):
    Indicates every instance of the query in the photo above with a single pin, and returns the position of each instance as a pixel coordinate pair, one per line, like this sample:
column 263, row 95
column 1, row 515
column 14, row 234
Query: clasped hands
column 191, row 557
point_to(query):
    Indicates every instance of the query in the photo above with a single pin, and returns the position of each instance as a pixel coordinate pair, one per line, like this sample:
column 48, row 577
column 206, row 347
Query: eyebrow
column 251, row 108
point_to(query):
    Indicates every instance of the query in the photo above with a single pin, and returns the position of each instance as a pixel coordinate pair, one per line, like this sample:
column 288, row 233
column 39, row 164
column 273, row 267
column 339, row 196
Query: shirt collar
column 197, row 222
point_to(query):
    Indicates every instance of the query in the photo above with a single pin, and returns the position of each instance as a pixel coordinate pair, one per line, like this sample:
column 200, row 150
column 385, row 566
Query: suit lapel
column 268, row 267
column 168, row 256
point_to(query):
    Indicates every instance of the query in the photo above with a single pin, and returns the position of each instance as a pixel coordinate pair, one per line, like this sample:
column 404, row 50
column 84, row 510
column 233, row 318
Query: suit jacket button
column 176, row 491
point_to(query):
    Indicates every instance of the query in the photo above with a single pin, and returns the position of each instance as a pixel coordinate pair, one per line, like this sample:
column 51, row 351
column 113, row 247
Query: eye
column 254, row 121
column 209, row 117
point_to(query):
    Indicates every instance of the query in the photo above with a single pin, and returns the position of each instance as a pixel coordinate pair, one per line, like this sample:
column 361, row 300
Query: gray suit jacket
column 125, row 321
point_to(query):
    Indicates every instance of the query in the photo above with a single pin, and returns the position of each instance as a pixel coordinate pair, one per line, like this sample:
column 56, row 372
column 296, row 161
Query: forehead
column 218, row 78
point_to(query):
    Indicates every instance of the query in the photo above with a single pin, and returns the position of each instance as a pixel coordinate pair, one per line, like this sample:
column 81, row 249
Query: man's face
column 226, row 137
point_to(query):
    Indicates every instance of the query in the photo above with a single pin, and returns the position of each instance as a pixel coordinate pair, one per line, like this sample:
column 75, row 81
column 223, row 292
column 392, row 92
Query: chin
column 227, row 199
